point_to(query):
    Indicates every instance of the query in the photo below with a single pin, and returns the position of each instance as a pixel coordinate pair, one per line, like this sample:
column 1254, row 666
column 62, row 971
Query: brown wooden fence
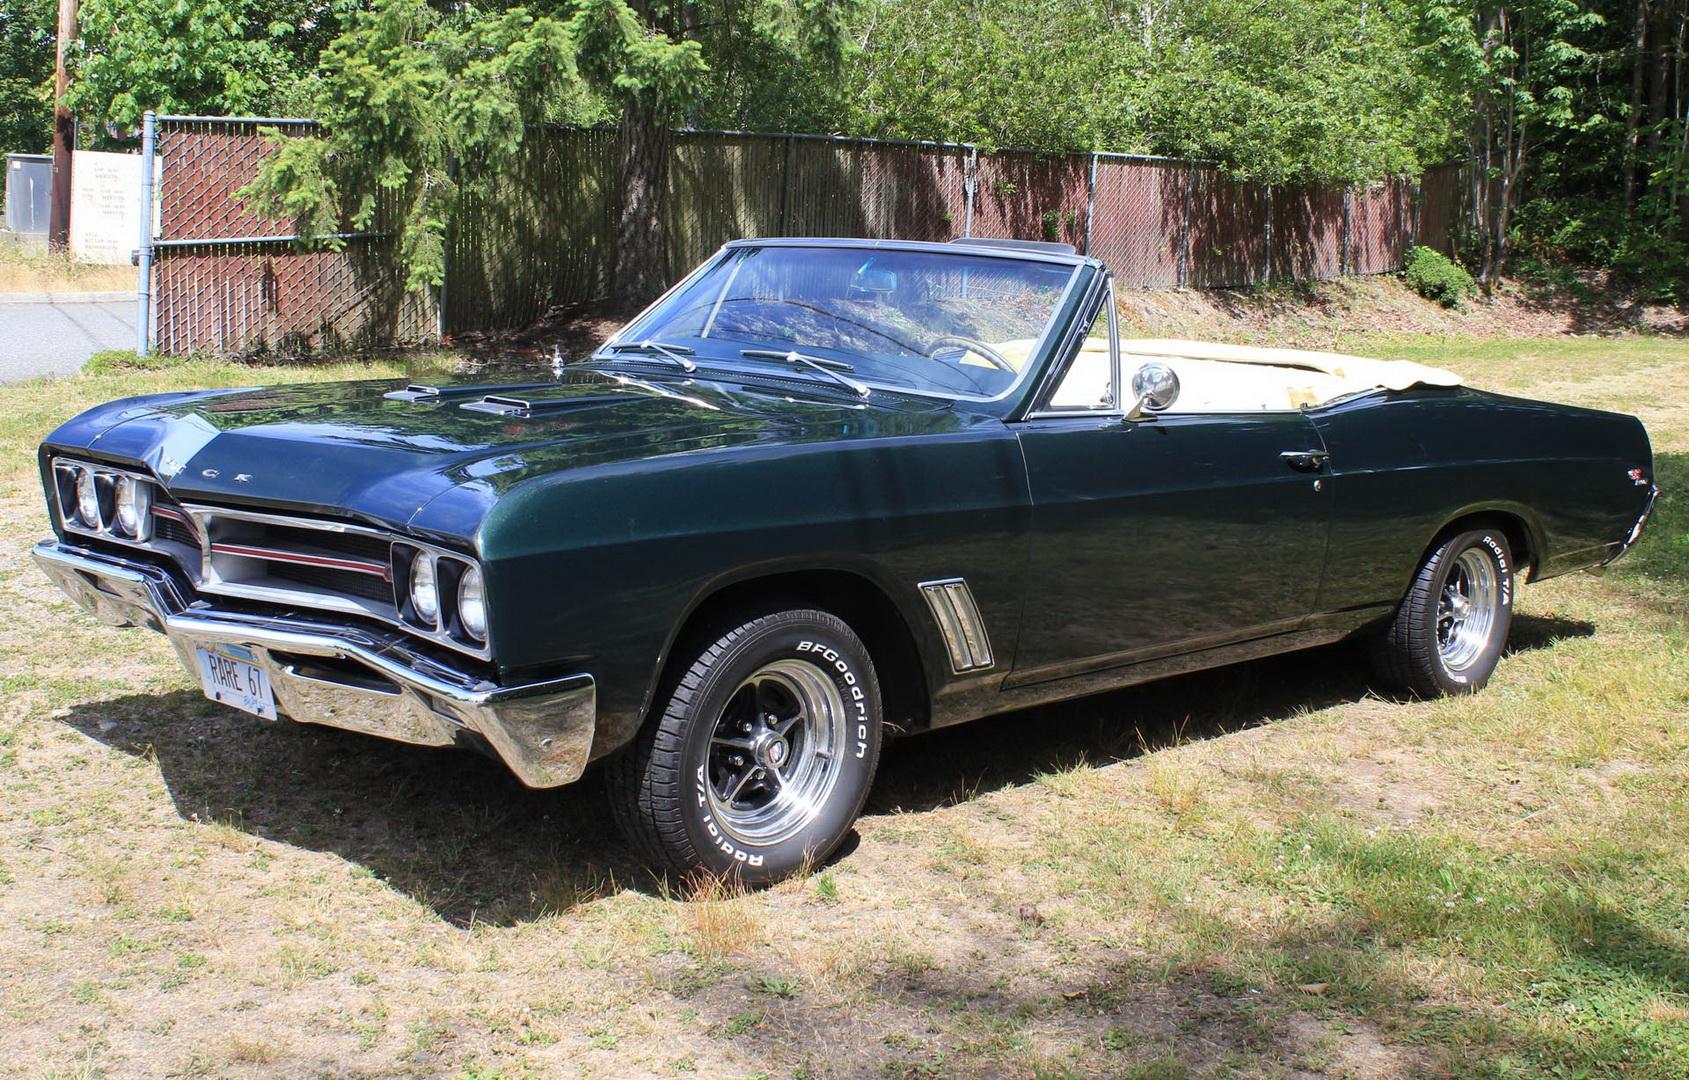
column 542, row 234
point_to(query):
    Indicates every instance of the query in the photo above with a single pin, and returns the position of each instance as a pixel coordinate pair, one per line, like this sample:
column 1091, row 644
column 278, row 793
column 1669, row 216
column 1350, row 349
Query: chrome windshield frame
column 1036, row 357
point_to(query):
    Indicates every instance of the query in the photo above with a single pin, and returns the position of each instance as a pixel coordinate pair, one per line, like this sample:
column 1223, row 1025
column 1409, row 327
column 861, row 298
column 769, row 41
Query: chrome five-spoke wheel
column 1449, row 631
column 762, row 754
column 775, row 751
column 1467, row 608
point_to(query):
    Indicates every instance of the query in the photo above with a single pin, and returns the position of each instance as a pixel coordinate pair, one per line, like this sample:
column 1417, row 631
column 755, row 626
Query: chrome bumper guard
column 344, row 676
column 1641, row 523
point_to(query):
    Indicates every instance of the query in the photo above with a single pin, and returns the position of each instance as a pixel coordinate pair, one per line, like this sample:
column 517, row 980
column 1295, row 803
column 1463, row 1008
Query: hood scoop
column 532, row 406
column 414, row 392
column 499, row 405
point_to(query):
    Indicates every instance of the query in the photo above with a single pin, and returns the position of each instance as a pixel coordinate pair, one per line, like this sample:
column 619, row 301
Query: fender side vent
column 952, row 604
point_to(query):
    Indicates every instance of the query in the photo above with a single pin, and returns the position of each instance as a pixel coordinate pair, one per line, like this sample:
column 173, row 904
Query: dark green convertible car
column 821, row 490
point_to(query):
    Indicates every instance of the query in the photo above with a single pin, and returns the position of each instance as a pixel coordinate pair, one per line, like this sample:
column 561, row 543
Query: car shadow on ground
column 457, row 832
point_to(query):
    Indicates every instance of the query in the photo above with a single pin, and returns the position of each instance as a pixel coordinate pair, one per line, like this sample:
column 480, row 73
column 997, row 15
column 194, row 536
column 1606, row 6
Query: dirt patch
column 566, row 332
column 1324, row 313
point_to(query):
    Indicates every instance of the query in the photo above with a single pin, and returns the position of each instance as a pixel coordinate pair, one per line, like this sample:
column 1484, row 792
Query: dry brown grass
column 28, row 269
column 1144, row 884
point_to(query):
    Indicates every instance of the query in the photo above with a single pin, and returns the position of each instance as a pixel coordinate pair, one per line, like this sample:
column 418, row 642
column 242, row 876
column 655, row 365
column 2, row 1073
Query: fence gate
column 226, row 281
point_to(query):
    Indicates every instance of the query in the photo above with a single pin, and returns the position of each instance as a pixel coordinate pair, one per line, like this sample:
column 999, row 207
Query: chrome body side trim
column 959, row 623
column 348, row 677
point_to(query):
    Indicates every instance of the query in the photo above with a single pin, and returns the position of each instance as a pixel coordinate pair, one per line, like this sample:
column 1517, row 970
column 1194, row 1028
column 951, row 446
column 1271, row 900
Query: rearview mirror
column 875, row 281
column 1156, row 388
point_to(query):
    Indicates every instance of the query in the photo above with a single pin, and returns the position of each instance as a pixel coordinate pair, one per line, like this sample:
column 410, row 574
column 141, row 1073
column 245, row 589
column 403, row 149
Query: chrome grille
column 378, row 589
column 273, row 558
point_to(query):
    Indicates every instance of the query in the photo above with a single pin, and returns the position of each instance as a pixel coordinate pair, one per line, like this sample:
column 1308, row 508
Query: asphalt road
column 55, row 337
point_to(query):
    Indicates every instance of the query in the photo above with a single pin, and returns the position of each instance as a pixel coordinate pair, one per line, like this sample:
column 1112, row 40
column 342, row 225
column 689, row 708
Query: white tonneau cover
column 1240, row 378
column 1359, row 371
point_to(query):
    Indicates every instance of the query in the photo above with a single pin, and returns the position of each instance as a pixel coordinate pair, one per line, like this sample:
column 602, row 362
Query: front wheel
column 762, row 756
column 1449, row 632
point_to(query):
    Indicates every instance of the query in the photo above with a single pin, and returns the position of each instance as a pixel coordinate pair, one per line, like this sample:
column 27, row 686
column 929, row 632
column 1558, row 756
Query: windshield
column 932, row 322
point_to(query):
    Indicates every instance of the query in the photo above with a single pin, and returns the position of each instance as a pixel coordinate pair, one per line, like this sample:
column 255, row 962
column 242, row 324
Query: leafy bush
column 1435, row 276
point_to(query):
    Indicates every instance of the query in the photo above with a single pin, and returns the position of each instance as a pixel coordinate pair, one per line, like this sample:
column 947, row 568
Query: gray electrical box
column 29, row 182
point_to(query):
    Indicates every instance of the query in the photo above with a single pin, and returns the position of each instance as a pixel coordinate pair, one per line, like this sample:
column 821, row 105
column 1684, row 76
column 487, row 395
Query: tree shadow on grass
column 457, row 832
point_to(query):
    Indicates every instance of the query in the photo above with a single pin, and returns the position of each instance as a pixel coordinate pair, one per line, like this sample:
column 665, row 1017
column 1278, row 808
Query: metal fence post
column 968, row 189
column 1090, row 201
column 143, row 257
column 1345, row 244
column 446, row 252
column 1267, row 232
column 1185, row 228
column 785, row 227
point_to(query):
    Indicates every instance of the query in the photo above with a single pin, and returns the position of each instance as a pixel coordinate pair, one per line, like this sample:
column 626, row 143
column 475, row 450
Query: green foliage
column 620, row 53
column 26, row 75
column 1435, row 276
column 1323, row 90
column 209, row 56
column 402, row 94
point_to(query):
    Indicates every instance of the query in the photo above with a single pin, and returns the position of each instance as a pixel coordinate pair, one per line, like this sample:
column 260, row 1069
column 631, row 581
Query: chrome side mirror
column 1156, row 388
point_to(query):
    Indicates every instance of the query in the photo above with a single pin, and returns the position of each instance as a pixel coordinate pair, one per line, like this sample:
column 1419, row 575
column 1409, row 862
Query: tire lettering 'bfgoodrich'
column 858, row 699
column 663, row 784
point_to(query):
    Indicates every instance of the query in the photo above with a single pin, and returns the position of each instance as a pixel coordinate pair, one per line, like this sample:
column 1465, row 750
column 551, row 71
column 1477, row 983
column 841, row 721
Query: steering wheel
column 978, row 348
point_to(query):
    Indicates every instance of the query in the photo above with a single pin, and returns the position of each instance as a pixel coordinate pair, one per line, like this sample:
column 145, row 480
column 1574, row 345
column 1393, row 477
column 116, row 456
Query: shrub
column 1435, row 276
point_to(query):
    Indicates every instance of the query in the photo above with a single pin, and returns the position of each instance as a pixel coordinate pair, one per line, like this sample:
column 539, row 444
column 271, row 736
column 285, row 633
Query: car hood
column 361, row 449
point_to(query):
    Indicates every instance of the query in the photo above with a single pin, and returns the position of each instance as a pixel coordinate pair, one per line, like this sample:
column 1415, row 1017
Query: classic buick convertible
column 819, row 491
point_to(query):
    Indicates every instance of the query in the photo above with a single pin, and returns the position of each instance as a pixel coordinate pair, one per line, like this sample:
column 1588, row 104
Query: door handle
column 1305, row 460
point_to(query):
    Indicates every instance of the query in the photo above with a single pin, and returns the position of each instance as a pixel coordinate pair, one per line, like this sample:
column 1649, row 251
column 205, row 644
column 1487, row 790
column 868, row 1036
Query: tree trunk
column 641, row 241
column 1633, row 117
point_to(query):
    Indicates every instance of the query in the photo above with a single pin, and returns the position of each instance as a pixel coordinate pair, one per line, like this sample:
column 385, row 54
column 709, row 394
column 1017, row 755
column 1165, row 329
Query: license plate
column 228, row 675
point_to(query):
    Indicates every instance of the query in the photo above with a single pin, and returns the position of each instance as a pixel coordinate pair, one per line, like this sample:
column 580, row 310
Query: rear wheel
column 762, row 756
column 1449, row 632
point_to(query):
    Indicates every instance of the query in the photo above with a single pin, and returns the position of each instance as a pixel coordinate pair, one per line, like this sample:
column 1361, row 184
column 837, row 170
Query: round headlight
column 134, row 503
column 425, row 589
column 87, row 499
column 472, row 604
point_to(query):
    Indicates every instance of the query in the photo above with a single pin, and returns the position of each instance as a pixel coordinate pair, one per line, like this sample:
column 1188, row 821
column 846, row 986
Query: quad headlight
column 87, row 498
column 472, row 604
column 440, row 594
column 103, row 501
column 134, row 505
column 425, row 588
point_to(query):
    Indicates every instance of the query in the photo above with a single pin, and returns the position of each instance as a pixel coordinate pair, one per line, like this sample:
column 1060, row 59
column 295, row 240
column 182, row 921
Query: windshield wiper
column 829, row 368
column 671, row 353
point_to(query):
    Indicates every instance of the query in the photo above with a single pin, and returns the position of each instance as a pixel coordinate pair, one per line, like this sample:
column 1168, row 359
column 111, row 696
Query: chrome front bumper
column 344, row 676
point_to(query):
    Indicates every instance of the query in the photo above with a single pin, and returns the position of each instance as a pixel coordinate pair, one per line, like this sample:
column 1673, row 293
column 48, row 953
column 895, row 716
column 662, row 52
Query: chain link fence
column 540, row 232
column 226, row 281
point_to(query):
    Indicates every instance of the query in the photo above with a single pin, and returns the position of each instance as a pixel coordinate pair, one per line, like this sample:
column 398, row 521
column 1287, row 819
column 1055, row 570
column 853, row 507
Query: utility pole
column 64, row 133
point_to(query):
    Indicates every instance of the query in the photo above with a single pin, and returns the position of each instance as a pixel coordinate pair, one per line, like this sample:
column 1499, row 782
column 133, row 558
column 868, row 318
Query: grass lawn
column 1268, row 870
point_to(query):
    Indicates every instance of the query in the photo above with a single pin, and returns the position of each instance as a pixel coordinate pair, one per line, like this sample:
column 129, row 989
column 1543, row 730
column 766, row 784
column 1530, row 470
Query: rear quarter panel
column 1404, row 466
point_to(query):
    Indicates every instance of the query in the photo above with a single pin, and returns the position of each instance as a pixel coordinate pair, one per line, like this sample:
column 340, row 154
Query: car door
column 1171, row 533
